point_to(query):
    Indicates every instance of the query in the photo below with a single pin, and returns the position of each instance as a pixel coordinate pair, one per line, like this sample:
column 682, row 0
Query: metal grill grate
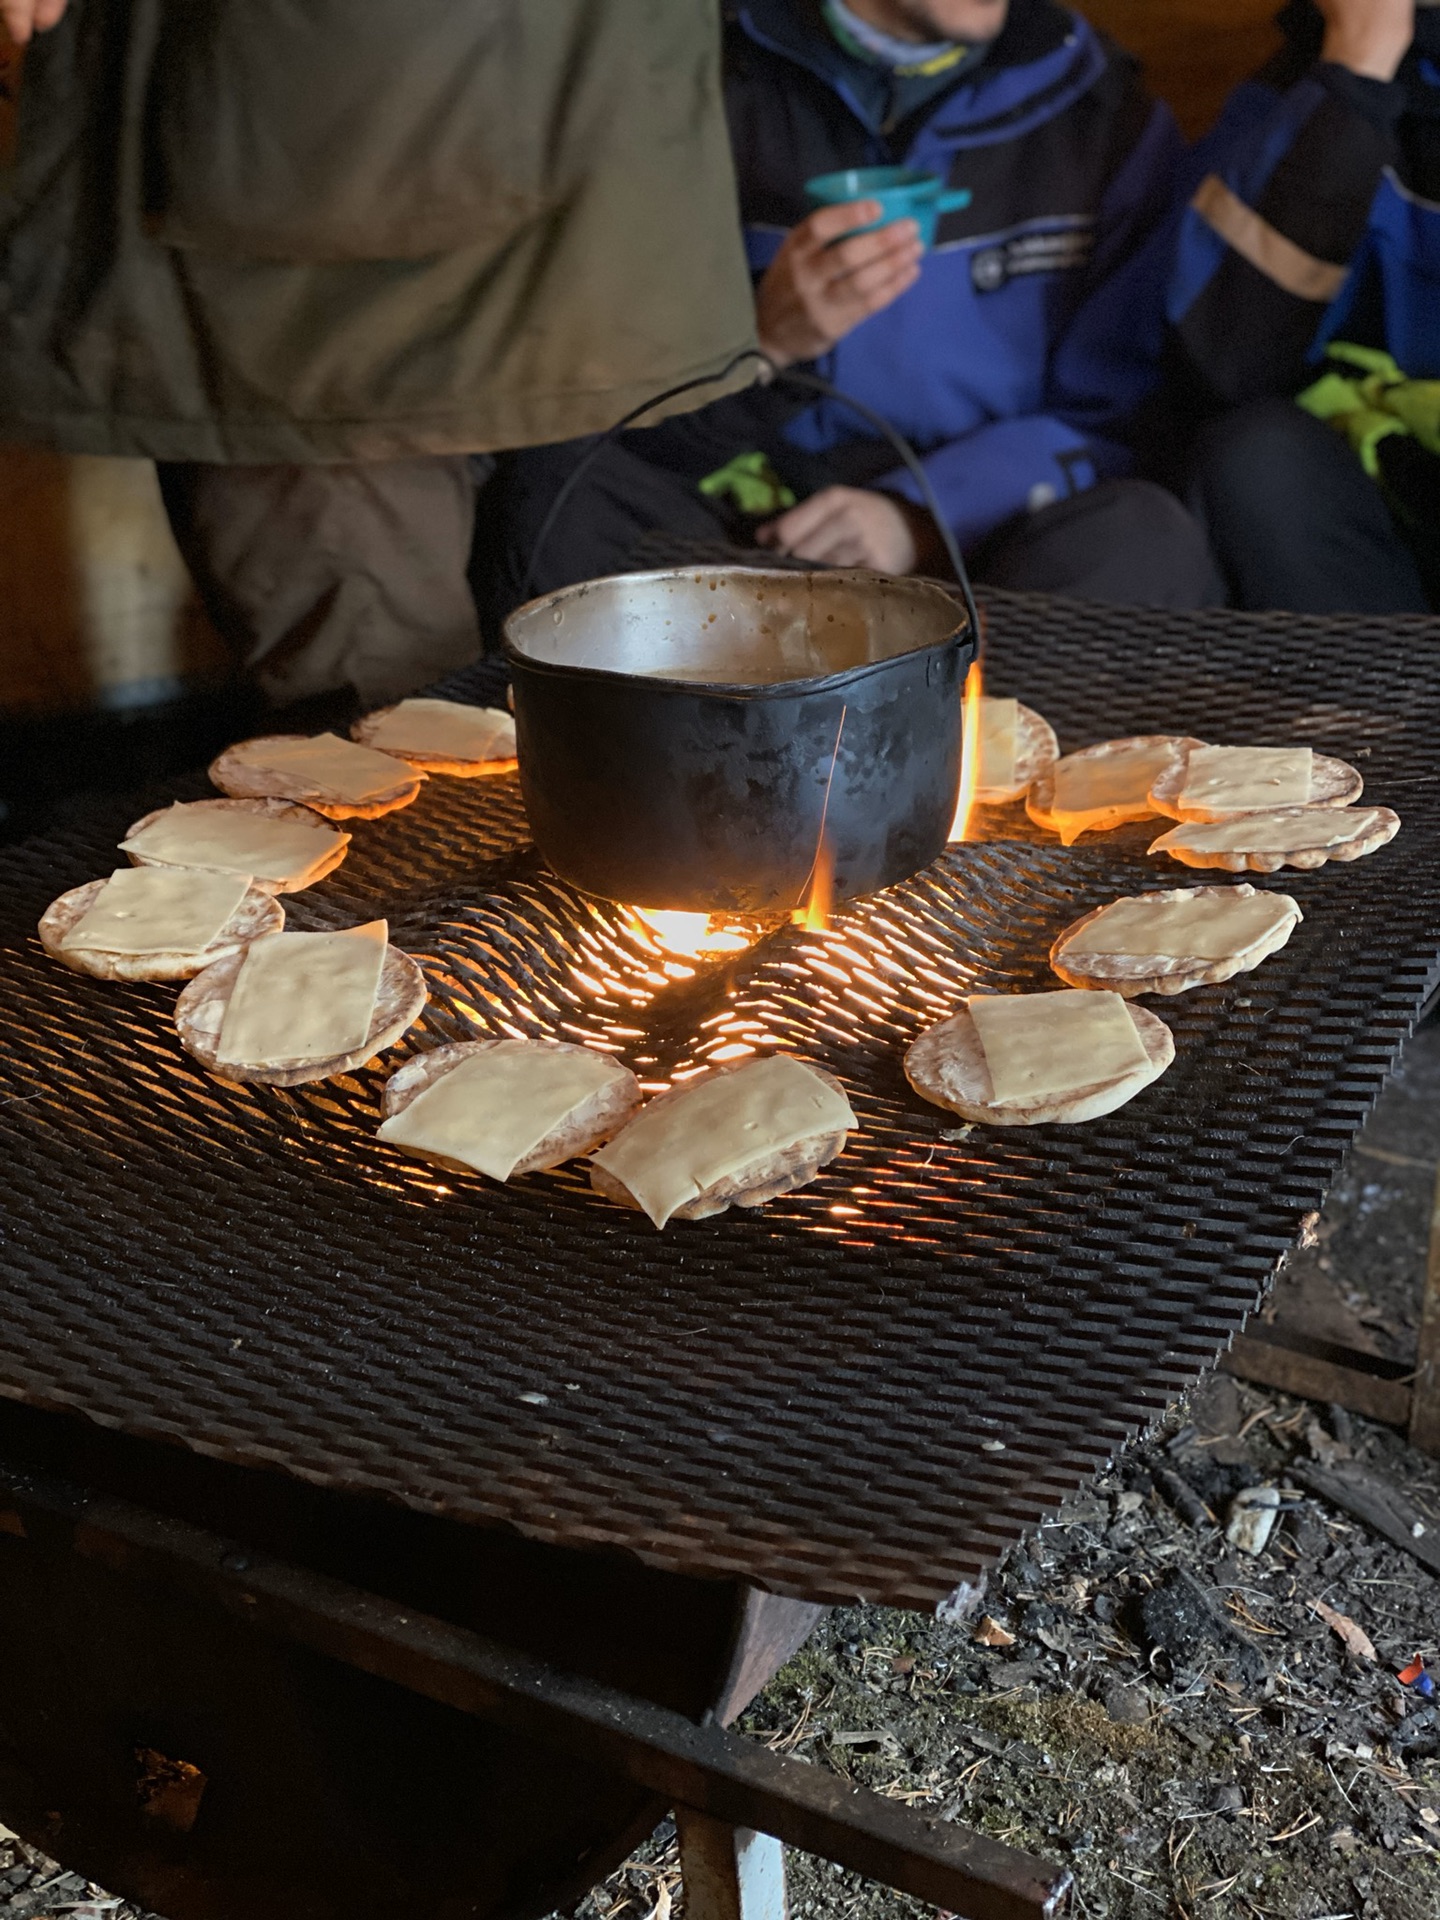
column 800, row 1397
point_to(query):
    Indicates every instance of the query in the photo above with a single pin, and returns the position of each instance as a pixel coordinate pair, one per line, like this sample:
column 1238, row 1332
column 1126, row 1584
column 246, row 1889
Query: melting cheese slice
column 325, row 767
column 998, row 722
column 492, row 1110
column 303, row 996
column 1245, row 779
column 1039, row 1046
column 1198, row 926
column 151, row 910
column 447, row 728
column 232, row 841
column 670, row 1154
column 1286, row 830
column 1104, row 789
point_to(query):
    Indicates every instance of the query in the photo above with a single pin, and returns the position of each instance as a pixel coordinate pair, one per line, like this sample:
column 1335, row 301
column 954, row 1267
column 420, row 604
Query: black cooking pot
column 687, row 737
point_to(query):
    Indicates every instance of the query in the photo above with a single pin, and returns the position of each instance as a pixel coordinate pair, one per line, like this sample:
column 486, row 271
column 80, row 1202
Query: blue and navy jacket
column 1035, row 331
column 1315, row 216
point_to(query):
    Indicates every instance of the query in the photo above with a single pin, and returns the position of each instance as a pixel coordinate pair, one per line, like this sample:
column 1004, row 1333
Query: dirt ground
column 1142, row 1698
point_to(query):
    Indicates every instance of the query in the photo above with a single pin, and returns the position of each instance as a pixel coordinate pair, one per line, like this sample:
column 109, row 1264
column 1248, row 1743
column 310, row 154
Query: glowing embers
column 969, row 753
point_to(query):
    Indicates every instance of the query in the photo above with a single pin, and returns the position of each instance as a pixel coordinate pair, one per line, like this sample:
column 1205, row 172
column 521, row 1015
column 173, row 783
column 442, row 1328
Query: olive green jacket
column 315, row 230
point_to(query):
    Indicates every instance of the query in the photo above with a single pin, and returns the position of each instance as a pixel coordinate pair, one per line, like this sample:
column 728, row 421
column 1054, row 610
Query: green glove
column 751, row 482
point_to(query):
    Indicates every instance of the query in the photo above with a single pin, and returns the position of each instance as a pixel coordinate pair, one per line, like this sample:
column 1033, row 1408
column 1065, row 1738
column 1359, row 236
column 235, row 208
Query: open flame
column 814, row 916
column 969, row 754
column 691, row 934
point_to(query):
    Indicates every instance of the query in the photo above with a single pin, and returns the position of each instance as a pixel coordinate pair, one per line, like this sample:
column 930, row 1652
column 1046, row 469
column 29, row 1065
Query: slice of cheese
column 1244, row 779
column 326, row 766
column 447, row 728
column 998, row 722
column 154, row 910
column 1213, row 926
column 1039, row 1046
column 1290, row 830
column 670, row 1154
column 1090, row 790
column 197, row 835
column 495, row 1108
column 303, row 996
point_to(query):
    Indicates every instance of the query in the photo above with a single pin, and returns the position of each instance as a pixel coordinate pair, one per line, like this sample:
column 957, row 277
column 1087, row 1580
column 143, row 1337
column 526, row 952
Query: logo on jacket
column 1050, row 250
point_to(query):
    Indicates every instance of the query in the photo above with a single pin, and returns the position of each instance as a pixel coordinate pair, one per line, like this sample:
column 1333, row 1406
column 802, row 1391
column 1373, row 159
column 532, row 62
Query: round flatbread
column 1153, row 968
column 1117, row 800
column 766, row 1178
column 1333, row 783
column 240, row 771
column 1036, row 750
column 947, row 1066
column 256, row 914
column 428, row 757
column 200, row 1015
column 1304, row 837
column 584, row 1128
column 332, row 843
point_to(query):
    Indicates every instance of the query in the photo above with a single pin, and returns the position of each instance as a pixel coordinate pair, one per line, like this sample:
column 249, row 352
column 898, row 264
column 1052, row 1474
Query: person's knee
column 1128, row 542
column 1259, row 462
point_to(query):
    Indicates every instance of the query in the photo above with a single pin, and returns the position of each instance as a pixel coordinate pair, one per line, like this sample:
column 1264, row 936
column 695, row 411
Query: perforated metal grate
column 804, row 1396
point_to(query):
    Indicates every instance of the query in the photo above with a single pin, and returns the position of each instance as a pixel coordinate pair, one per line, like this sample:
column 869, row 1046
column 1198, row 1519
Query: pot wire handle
column 813, row 383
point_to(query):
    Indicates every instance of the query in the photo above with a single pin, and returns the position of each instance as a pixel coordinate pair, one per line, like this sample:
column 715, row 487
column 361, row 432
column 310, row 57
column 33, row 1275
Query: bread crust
column 1036, row 750
column 584, row 1128
column 200, row 1014
column 947, row 1066
column 367, row 724
column 1132, row 974
column 268, row 809
column 1040, row 801
column 766, row 1178
column 257, row 914
column 1307, row 859
column 1333, row 783
column 243, row 782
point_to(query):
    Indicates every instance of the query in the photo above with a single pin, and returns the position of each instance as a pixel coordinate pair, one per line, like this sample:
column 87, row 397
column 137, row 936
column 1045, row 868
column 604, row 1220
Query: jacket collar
column 796, row 30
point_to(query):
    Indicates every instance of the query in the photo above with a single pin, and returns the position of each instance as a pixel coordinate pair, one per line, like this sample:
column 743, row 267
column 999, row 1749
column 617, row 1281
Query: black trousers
column 1125, row 541
column 1295, row 521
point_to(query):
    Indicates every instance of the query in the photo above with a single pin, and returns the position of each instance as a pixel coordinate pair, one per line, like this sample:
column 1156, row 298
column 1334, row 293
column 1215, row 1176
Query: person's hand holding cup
column 1370, row 37
column 827, row 278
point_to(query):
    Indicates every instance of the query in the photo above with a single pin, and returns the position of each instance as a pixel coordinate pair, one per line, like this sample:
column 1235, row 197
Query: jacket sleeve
column 1104, row 362
column 1282, row 194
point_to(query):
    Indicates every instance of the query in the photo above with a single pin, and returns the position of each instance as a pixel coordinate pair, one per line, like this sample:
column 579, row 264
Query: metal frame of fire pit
column 870, row 1389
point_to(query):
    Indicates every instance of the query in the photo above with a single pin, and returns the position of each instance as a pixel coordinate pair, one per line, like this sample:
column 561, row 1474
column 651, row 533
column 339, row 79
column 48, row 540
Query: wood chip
column 990, row 1633
column 1355, row 1638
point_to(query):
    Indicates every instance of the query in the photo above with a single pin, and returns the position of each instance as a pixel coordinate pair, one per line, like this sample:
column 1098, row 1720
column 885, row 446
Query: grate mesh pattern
column 801, row 1397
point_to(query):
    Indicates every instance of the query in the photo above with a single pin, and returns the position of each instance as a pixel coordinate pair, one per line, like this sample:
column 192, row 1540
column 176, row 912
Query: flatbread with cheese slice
column 336, row 777
column 1104, row 786
column 1212, row 783
column 1017, row 745
column 1283, row 837
column 153, row 924
column 442, row 736
column 282, row 846
column 734, row 1137
column 507, row 1107
column 1169, row 942
column 301, row 1006
column 1034, row 1059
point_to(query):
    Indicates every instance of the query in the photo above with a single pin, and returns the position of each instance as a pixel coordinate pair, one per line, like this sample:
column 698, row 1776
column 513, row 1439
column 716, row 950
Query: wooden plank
column 1376, row 1504
column 1425, row 1394
column 1323, row 1380
column 730, row 1873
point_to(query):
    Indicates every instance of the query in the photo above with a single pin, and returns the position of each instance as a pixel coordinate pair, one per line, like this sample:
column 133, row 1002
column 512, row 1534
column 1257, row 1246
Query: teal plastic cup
column 904, row 193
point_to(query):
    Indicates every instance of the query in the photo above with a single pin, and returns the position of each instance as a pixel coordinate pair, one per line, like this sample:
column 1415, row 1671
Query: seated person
column 1316, row 223
column 1013, row 356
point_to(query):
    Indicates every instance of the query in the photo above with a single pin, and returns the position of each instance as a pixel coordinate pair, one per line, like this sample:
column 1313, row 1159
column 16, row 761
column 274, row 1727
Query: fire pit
column 873, row 1387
